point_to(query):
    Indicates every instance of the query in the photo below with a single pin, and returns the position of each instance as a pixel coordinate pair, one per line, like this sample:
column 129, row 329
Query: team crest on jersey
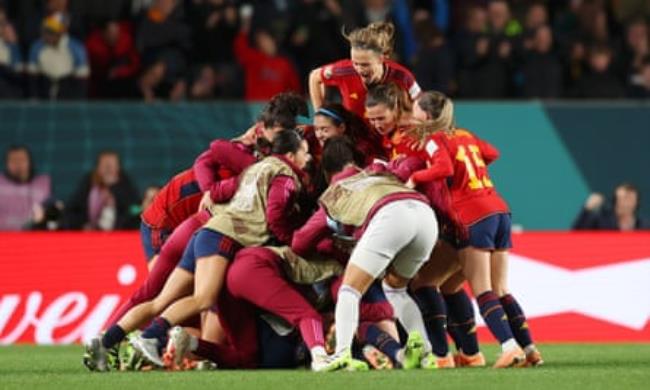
column 354, row 96
column 327, row 72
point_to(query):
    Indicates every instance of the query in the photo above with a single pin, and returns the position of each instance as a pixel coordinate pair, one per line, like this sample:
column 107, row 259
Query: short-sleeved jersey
column 341, row 74
column 472, row 190
column 175, row 202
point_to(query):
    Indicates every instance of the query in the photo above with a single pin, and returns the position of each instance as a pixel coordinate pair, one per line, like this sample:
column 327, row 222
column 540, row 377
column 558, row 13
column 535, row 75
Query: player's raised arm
column 316, row 88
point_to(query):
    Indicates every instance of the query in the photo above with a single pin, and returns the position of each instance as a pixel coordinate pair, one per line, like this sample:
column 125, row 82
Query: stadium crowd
column 227, row 49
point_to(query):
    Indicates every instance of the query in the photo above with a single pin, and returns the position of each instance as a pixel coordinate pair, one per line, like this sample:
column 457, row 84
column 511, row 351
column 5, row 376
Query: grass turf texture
column 572, row 366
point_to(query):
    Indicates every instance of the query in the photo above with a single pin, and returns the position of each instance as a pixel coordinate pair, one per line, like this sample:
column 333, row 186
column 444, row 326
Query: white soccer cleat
column 148, row 348
column 178, row 347
column 95, row 356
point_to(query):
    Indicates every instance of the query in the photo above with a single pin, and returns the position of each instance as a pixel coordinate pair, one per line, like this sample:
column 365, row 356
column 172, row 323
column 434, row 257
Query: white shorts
column 401, row 234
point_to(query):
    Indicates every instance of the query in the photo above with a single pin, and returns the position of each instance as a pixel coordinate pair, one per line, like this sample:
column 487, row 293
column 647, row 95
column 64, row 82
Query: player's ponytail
column 378, row 37
column 439, row 109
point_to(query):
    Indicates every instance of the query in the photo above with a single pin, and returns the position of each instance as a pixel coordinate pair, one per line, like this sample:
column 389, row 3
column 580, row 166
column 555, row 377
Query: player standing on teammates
column 369, row 64
column 485, row 217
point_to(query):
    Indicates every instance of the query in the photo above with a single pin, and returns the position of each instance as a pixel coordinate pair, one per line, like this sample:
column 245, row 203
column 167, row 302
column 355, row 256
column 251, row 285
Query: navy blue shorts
column 375, row 293
column 492, row 232
column 152, row 239
column 204, row 243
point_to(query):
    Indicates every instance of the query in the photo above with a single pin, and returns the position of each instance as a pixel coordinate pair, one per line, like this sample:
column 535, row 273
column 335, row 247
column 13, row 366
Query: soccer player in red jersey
column 369, row 64
column 263, row 207
column 223, row 156
column 483, row 213
column 389, row 114
column 181, row 196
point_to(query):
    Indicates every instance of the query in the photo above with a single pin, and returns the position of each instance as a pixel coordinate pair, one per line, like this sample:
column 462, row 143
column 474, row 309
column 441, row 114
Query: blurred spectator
column 542, row 70
column 536, row 16
column 215, row 24
column 640, row 88
column 215, row 74
column 58, row 66
column 361, row 13
column 487, row 57
column 621, row 214
column 23, row 194
column 11, row 65
column 315, row 34
column 637, row 47
column 105, row 198
column 32, row 13
column 267, row 73
column 114, row 61
column 599, row 82
column 433, row 68
column 628, row 9
column 163, row 41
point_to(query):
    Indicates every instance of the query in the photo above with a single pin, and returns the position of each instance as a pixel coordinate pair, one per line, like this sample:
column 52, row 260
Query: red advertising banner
column 590, row 287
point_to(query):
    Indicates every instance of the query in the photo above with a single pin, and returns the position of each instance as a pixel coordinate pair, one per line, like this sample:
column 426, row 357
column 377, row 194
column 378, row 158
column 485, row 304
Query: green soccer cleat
column 413, row 351
column 429, row 361
column 339, row 362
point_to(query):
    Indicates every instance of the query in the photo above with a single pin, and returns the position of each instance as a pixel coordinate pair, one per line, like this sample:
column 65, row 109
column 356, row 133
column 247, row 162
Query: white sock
column 317, row 352
column 407, row 312
column 346, row 316
column 530, row 349
column 509, row 344
column 194, row 343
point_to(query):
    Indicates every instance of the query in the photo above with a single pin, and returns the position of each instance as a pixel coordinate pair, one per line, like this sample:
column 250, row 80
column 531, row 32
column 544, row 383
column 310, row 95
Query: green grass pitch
column 570, row 366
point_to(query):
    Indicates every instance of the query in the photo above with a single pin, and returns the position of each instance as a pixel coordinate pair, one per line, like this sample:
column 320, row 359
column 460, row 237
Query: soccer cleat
column 149, row 349
column 376, row 358
column 476, row 360
column 513, row 357
column 429, row 361
column 445, row 361
column 534, row 359
column 413, row 351
column 96, row 356
column 205, row 365
column 177, row 349
column 338, row 362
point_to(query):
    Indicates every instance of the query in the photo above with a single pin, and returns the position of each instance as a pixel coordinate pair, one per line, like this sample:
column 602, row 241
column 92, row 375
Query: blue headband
column 330, row 113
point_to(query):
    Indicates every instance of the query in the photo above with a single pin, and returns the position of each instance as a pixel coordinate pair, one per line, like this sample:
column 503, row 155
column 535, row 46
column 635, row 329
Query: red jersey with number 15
column 341, row 74
column 472, row 191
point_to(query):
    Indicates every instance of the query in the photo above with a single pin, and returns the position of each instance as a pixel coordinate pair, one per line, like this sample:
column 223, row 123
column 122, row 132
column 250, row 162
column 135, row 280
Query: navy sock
column 157, row 330
column 461, row 324
column 517, row 320
column 494, row 316
column 434, row 313
column 113, row 335
column 383, row 341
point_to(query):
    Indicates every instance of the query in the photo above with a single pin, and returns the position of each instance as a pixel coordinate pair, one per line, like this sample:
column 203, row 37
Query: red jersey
column 472, row 191
column 175, row 202
column 341, row 74
column 265, row 76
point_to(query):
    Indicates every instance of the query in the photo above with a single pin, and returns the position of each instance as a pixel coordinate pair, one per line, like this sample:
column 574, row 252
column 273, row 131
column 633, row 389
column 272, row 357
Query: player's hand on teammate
column 206, row 201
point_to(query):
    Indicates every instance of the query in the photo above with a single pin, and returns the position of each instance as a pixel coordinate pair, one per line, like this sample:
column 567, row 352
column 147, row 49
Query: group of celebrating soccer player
column 342, row 245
